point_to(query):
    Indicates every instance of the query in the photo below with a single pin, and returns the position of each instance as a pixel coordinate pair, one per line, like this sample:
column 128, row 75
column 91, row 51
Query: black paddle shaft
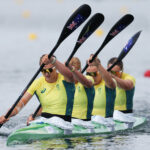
column 76, row 19
column 126, row 49
column 115, row 30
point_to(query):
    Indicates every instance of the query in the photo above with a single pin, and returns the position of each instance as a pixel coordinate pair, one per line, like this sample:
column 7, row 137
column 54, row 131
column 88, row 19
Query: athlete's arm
column 18, row 107
column 81, row 78
column 124, row 84
column 106, row 77
column 103, row 72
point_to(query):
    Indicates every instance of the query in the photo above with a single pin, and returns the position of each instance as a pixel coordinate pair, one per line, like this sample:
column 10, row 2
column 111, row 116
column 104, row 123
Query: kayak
column 44, row 131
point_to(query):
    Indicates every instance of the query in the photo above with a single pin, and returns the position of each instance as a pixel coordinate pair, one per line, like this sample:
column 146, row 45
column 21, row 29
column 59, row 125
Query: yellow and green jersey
column 83, row 101
column 124, row 98
column 55, row 98
column 104, row 100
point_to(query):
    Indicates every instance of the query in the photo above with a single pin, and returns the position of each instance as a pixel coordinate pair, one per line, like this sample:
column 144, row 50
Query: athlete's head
column 76, row 63
column 117, row 69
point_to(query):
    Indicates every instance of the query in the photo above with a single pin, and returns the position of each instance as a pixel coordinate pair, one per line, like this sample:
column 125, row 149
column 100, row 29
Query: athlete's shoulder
column 90, row 78
column 60, row 77
column 126, row 76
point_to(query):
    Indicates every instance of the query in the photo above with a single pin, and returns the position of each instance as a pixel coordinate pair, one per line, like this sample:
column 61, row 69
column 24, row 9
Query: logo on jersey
column 43, row 91
column 99, row 90
column 79, row 89
column 57, row 86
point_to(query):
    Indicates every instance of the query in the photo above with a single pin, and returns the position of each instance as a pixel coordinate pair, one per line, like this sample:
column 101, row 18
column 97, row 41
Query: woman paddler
column 55, row 91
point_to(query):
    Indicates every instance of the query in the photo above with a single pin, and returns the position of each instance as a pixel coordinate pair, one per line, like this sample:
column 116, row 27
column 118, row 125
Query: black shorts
column 126, row 111
column 82, row 119
column 48, row 115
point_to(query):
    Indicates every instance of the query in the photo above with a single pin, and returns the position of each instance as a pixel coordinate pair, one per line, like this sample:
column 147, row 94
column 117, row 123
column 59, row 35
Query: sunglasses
column 93, row 74
column 47, row 70
column 116, row 73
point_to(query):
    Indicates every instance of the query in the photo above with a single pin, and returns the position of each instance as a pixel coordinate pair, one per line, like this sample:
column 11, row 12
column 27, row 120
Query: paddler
column 125, row 87
column 84, row 92
column 55, row 91
column 105, row 90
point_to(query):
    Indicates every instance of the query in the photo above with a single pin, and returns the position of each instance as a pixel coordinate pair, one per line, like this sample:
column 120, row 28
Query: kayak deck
column 46, row 131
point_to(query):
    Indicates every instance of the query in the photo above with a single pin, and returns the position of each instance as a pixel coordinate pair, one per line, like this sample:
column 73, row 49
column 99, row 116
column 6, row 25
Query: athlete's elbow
column 112, row 85
column 71, row 78
column 89, row 85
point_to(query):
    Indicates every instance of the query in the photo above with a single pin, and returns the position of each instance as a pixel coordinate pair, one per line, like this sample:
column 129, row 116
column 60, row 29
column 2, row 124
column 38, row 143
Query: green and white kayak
column 44, row 131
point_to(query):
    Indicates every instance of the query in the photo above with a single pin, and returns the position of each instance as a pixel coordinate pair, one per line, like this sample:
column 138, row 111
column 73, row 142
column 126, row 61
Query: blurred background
column 30, row 28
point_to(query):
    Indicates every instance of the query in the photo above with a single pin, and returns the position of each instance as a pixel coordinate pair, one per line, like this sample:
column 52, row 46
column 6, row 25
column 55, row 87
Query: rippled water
column 19, row 58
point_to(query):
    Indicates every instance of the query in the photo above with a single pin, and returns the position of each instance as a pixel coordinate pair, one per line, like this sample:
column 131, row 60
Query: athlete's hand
column 46, row 60
column 30, row 118
column 96, row 61
column 3, row 119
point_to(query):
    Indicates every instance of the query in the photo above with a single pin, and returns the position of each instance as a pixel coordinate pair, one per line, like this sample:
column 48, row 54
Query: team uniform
column 104, row 100
column 55, row 98
column 124, row 98
column 83, row 101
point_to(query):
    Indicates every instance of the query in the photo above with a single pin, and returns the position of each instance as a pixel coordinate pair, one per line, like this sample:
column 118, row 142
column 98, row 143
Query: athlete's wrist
column 53, row 61
column 72, row 69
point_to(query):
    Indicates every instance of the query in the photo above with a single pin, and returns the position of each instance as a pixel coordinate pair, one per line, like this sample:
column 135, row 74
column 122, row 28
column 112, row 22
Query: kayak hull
column 46, row 131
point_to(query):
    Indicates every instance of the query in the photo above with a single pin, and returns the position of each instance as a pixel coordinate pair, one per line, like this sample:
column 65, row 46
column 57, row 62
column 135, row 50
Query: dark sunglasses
column 116, row 72
column 93, row 74
column 47, row 70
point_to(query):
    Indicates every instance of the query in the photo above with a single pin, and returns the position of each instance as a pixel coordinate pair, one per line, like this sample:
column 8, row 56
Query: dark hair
column 113, row 60
column 41, row 59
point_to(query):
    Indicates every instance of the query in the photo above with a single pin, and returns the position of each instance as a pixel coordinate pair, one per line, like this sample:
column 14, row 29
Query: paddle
column 37, row 110
column 126, row 49
column 95, row 21
column 117, row 28
column 75, row 20
column 87, row 30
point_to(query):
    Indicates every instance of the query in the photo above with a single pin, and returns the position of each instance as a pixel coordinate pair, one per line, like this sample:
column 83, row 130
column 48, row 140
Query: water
column 19, row 58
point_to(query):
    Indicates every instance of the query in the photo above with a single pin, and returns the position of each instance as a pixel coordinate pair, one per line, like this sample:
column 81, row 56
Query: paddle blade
column 115, row 30
column 87, row 30
column 75, row 20
column 126, row 49
column 129, row 45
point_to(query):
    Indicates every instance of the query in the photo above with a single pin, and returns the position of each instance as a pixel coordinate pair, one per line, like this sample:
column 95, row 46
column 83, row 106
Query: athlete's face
column 93, row 71
column 116, row 71
column 49, row 72
column 76, row 64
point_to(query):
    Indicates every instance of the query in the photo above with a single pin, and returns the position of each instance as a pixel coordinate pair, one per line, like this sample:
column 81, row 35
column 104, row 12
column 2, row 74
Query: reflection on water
column 68, row 143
